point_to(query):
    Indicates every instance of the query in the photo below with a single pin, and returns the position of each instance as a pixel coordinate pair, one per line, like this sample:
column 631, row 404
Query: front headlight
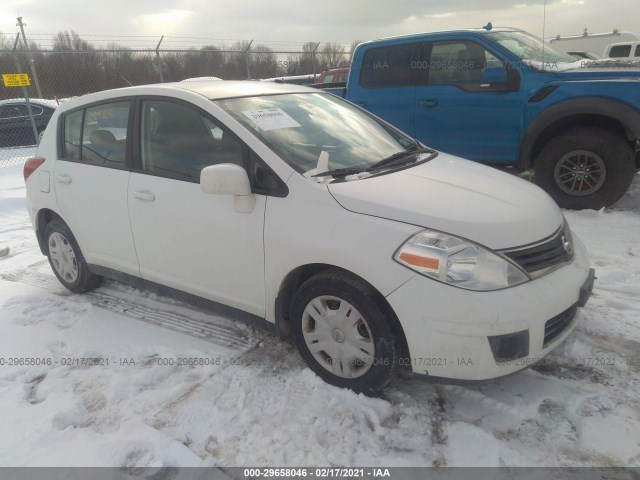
column 458, row 262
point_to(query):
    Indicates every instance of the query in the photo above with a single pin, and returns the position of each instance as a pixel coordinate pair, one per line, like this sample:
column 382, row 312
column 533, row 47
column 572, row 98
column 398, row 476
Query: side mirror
column 229, row 179
column 494, row 77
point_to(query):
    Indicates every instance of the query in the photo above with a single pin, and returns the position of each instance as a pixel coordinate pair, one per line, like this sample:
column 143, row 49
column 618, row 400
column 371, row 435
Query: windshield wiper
column 400, row 157
column 340, row 172
column 396, row 159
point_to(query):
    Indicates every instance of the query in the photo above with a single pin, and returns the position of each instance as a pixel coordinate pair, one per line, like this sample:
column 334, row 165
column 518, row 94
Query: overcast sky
column 297, row 21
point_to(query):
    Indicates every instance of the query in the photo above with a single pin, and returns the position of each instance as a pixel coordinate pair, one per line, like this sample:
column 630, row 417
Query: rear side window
column 392, row 66
column 72, row 135
column 637, row 50
column 178, row 141
column 619, row 51
column 97, row 135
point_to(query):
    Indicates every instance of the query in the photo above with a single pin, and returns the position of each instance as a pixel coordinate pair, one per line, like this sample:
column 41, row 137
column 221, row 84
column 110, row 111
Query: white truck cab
column 623, row 50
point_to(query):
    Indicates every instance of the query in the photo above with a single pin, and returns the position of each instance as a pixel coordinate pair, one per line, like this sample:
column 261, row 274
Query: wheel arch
column 44, row 216
column 612, row 115
column 301, row 274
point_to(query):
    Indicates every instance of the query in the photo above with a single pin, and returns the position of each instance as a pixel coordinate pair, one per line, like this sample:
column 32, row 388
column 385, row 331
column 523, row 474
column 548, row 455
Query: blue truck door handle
column 428, row 102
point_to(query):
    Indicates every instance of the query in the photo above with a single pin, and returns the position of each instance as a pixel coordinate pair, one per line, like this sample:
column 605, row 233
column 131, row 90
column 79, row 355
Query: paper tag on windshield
column 271, row 119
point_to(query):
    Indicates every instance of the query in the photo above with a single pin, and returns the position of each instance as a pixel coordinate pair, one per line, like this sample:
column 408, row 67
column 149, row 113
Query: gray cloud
column 296, row 22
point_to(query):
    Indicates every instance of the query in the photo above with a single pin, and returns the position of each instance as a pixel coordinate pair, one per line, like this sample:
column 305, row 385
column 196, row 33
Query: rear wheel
column 343, row 334
column 586, row 167
column 67, row 260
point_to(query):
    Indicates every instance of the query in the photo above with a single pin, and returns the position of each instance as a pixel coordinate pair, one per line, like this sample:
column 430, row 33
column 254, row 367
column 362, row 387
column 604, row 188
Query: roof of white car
column 231, row 88
column 212, row 89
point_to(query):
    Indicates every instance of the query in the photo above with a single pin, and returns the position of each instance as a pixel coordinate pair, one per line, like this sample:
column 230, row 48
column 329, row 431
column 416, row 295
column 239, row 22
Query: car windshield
column 530, row 48
column 300, row 126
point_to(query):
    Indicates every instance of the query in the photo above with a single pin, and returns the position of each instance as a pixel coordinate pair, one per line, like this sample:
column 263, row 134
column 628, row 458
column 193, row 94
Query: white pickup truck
column 629, row 50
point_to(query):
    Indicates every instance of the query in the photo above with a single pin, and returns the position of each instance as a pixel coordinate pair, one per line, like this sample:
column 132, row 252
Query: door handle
column 428, row 102
column 145, row 195
column 63, row 178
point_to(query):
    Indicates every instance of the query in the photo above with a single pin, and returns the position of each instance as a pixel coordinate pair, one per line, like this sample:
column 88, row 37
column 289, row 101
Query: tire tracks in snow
column 238, row 338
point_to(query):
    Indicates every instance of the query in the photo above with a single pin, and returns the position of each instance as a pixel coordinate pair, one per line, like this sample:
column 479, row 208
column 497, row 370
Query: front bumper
column 463, row 335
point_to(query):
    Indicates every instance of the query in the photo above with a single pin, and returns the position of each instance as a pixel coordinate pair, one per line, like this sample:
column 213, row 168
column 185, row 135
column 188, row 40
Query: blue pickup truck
column 506, row 98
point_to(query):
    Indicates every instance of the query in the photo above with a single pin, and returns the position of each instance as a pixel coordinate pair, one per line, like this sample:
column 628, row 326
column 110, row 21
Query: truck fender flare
column 629, row 117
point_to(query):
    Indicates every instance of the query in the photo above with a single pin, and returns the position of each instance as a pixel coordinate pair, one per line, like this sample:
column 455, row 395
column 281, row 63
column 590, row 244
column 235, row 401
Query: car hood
column 459, row 197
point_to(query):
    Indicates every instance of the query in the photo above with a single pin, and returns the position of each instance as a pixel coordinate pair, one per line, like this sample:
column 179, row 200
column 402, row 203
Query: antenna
column 544, row 26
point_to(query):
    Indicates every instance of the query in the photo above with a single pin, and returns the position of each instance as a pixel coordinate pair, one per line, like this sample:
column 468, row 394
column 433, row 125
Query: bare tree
column 307, row 61
column 74, row 66
column 69, row 41
column 262, row 62
column 331, row 55
column 236, row 61
column 76, row 60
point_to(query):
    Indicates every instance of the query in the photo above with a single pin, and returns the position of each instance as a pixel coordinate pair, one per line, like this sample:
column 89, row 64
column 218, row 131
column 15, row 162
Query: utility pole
column 159, row 60
column 25, row 92
column 315, row 67
column 31, row 63
column 246, row 59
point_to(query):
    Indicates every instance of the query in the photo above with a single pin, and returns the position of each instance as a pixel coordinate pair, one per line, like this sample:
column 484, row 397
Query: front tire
column 586, row 167
column 66, row 259
column 343, row 334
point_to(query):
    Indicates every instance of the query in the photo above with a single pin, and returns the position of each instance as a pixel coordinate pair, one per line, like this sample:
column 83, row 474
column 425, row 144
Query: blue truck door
column 384, row 83
column 457, row 115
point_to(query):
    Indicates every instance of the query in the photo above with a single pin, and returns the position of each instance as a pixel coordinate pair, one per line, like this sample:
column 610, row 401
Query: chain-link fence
column 73, row 67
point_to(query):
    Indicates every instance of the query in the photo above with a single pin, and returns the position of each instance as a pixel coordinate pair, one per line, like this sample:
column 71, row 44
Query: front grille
column 558, row 324
column 548, row 253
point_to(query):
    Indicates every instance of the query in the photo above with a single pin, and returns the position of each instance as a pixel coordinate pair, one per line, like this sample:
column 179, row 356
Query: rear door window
column 104, row 134
column 97, row 135
column 392, row 66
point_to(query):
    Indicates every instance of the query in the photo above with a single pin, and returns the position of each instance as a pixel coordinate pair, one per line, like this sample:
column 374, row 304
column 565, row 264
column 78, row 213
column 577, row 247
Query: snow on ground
column 256, row 403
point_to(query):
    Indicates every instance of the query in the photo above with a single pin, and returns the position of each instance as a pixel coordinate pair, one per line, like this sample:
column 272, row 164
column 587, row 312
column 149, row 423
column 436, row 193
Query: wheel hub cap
column 338, row 336
column 580, row 173
column 62, row 257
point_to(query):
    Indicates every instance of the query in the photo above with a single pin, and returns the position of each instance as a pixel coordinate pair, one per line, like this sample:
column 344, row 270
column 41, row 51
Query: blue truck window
column 459, row 63
column 389, row 66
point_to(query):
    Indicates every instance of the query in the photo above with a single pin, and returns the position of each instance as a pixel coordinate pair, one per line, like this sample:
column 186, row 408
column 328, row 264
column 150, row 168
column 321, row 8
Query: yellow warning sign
column 15, row 80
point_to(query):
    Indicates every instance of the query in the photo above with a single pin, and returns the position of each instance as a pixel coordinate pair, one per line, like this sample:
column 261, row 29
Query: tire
column 66, row 259
column 350, row 342
column 587, row 167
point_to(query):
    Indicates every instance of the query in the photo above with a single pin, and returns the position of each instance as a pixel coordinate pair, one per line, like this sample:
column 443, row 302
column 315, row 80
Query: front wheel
column 586, row 167
column 343, row 334
column 67, row 260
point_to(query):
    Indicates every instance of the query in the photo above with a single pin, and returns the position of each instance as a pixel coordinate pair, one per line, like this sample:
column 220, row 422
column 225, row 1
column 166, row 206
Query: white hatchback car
column 298, row 211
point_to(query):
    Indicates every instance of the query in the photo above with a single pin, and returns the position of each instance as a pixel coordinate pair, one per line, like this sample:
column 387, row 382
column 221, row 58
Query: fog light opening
column 511, row 346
